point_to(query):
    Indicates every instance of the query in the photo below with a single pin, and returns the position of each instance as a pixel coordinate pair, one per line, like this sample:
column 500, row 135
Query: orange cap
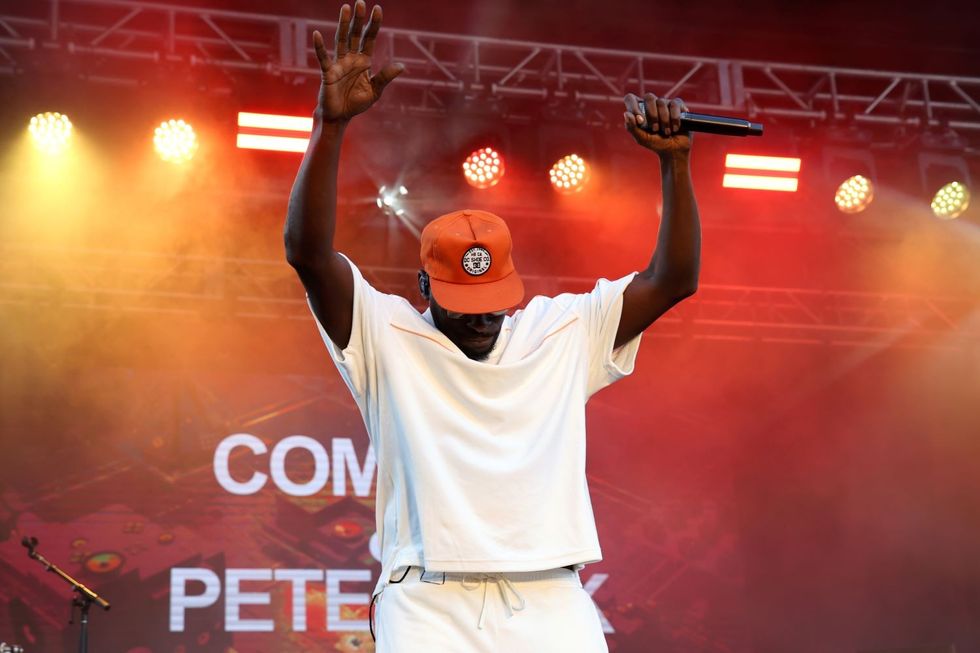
column 467, row 257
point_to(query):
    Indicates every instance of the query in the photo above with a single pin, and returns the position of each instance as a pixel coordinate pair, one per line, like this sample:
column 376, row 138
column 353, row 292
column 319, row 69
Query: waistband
column 562, row 575
column 508, row 584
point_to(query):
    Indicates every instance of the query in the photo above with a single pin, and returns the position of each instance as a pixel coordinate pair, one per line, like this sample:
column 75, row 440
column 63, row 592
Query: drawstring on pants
column 504, row 585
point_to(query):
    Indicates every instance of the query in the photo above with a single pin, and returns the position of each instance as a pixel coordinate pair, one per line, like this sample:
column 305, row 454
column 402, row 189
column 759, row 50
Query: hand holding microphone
column 664, row 124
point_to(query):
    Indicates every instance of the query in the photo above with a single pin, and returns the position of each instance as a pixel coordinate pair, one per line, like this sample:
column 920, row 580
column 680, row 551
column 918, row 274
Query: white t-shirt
column 481, row 465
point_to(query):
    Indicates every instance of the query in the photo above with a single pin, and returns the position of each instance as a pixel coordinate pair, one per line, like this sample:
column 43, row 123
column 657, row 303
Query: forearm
column 677, row 260
column 312, row 212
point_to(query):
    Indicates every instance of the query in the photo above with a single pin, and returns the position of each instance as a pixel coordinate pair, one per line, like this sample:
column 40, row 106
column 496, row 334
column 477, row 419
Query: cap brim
column 474, row 298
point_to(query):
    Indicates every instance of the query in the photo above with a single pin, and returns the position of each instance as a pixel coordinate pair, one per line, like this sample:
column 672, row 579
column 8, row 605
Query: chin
column 477, row 355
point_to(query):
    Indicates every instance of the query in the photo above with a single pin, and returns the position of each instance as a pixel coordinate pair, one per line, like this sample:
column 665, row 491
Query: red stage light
column 756, row 162
column 483, row 168
column 273, row 121
column 769, row 164
column 759, row 182
column 570, row 174
column 266, row 131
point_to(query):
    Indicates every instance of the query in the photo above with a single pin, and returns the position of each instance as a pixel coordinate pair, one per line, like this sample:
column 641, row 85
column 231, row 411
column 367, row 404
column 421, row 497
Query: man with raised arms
column 477, row 413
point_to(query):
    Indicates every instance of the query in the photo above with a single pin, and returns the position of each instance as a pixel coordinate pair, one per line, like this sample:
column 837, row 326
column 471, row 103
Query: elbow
column 687, row 290
column 293, row 256
column 680, row 293
column 296, row 257
column 679, row 288
column 296, row 254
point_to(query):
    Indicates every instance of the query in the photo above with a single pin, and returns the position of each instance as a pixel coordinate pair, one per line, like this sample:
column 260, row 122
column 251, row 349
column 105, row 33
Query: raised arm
column 673, row 271
column 347, row 88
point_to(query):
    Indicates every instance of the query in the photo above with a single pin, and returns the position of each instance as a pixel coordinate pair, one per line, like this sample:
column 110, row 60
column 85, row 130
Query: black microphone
column 31, row 544
column 709, row 124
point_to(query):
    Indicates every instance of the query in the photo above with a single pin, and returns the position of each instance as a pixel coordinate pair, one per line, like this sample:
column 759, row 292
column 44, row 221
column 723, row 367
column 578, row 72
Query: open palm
column 347, row 87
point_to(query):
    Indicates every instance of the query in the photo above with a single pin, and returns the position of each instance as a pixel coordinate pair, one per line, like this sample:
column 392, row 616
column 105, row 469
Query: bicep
column 644, row 300
column 330, row 287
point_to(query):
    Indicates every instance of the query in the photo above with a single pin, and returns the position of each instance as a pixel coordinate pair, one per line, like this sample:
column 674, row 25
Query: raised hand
column 663, row 116
column 347, row 87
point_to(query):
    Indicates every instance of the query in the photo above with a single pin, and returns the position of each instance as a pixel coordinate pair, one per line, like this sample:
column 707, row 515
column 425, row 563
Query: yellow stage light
column 175, row 141
column 51, row 132
column 951, row 200
column 855, row 194
column 569, row 174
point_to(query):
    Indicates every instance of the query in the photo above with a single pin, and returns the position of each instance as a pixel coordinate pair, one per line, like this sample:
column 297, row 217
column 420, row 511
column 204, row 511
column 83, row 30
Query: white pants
column 533, row 612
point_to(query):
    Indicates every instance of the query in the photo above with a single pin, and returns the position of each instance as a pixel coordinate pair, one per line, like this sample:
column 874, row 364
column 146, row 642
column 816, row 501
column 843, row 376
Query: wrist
column 336, row 125
column 675, row 157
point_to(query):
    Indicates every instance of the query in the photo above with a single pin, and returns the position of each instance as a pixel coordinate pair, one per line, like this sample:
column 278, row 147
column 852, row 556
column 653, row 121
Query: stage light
column 279, row 133
column 755, row 162
column 51, row 131
column 389, row 200
column 768, row 164
column 175, row 141
column 275, row 121
column 758, row 182
column 951, row 200
column 570, row 174
column 483, row 168
column 855, row 194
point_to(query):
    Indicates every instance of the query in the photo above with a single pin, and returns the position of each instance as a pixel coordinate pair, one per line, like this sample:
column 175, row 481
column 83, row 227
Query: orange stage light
column 175, row 141
column 569, row 174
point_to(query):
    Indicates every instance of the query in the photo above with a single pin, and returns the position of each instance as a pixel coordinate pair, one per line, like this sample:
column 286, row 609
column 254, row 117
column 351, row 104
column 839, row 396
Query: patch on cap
column 476, row 261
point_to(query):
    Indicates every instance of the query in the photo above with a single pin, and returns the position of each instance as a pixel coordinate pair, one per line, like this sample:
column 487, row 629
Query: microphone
column 709, row 124
column 31, row 544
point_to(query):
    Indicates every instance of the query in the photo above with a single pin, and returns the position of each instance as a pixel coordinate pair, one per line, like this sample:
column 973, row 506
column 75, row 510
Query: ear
column 424, row 284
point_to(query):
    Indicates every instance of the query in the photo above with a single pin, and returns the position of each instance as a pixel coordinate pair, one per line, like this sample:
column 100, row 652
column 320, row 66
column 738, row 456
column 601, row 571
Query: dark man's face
column 474, row 334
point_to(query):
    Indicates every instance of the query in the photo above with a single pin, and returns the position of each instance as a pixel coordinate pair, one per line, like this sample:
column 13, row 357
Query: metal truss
column 124, row 282
column 102, row 36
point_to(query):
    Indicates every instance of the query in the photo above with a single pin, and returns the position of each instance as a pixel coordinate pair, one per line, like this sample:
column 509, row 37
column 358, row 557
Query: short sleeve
column 356, row 361
column 601, row 310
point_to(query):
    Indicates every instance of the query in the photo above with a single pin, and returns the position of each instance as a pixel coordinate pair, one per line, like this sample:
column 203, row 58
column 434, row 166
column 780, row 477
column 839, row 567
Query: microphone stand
column 82, row 597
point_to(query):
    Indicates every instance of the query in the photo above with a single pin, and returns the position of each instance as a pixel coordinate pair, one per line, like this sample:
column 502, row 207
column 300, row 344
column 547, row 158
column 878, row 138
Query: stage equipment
column 855, row 194
column 849, row 166
column 389, row 200
column 266, row 131
column 51, row 132
column 10, row 648
column 766, row 164
column 709, row 124
column 951, row 201
column 942, row 166
column 569, row 174
column 483, row 168
column 948, row 648
column 82, row 597
column 173, row 38
column 175, row 141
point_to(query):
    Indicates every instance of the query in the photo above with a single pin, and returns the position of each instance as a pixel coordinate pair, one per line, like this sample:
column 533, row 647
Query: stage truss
column 125, row 282
column 115, row 40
